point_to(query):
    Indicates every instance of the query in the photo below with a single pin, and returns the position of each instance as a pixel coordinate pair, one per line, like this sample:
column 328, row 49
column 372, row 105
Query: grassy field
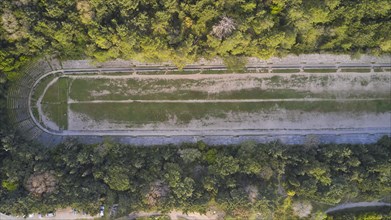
column 377, row 70
column 356, row 70
column 293, row 86
column 38, row 90
column 143, row 113
column 133, row 88
column 154, row 89
column 54, row 103
column 58, row 92
column 286, row 71
column 320, row 70
column 58, row 113
column 172, row 90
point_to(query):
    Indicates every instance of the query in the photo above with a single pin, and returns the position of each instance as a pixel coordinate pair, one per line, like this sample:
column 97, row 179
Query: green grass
column 58, row 92
column 57, row 113
column 144, row 113
column 38, row 90
column 157, row 90
column 36, row 113
column 276, row 79
column 267, row 94
column 151, row 73
column 263, row 70
column 216, row 72
column 286, row 71
column 115, row 73
column 356, row 70
column 183, row 72
column 118, row 89
column 298, row 79
column 320, row 70
column 80, row 89
column 181, row 89
column 54, row 102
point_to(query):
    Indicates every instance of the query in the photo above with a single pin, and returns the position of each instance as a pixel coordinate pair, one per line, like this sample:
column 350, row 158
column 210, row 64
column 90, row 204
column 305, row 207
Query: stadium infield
column 96, row 102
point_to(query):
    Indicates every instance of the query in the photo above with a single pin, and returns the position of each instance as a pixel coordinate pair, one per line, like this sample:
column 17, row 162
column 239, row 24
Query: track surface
column 228, row 136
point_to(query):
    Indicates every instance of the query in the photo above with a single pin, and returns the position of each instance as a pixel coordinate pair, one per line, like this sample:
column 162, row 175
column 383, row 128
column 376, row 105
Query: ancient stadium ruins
column 331, row 98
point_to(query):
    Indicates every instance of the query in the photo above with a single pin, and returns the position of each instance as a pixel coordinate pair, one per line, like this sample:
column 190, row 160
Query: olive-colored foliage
column 268, row 179
column 10, row 186
column 184, row 31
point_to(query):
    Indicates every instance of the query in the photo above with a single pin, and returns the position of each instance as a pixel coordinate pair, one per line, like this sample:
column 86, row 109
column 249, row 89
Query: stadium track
column 20, row 112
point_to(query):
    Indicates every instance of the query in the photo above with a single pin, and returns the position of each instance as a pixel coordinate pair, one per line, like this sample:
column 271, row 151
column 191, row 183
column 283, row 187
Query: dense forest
column 273, row 180
column 182, row 31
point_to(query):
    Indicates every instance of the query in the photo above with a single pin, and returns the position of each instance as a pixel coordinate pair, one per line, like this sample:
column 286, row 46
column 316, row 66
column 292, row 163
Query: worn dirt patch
column 277, row 119
column 338, row 84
